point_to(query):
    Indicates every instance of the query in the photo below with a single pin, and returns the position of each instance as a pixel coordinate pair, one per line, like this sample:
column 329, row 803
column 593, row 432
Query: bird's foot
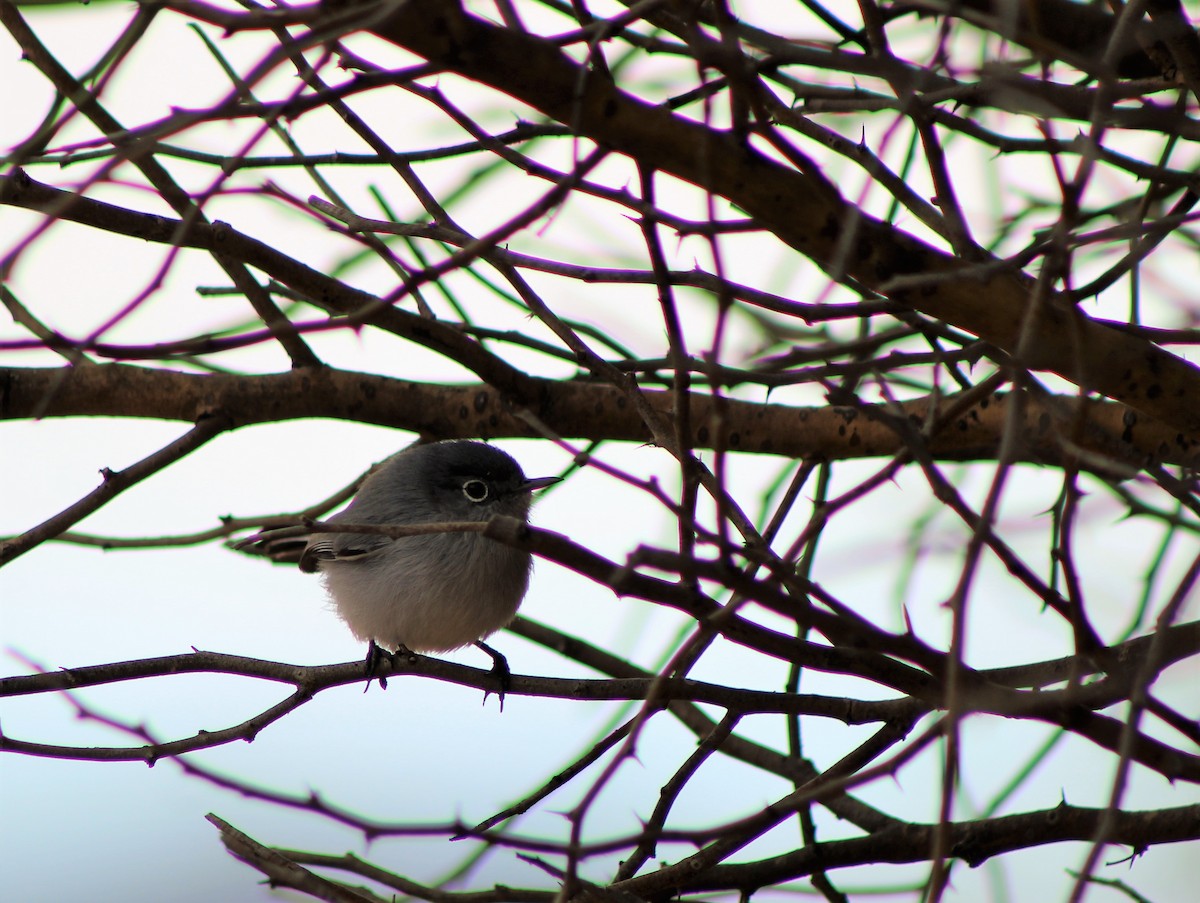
column 375, row 655
column 500, row 671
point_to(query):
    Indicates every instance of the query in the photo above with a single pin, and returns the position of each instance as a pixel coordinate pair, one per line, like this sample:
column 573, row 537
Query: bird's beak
column 539, row 483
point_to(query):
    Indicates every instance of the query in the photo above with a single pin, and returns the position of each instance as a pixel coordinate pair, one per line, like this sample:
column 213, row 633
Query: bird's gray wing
column 282, row 545
column 340, row 547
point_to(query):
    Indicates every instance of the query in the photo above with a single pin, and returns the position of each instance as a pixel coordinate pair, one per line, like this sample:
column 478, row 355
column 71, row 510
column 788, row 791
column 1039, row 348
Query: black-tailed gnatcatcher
column 438, row 591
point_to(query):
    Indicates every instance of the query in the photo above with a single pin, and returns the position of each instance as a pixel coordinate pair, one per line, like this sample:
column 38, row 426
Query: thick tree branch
column 1053, row 429
column 974, row 842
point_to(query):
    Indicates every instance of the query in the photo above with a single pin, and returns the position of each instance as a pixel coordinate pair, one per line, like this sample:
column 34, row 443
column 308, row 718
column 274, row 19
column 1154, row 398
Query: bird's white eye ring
column 476, row 491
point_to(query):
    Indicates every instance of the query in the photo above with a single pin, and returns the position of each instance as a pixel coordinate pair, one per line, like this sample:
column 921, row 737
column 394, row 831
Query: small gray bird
column 439, row 591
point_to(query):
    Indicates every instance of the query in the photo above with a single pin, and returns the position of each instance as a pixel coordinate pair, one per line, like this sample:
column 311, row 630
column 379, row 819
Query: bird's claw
column 500, row 671
column 375, row 655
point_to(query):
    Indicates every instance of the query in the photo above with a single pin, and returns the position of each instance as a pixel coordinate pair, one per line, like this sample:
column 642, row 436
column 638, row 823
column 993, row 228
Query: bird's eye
column 476, row 490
